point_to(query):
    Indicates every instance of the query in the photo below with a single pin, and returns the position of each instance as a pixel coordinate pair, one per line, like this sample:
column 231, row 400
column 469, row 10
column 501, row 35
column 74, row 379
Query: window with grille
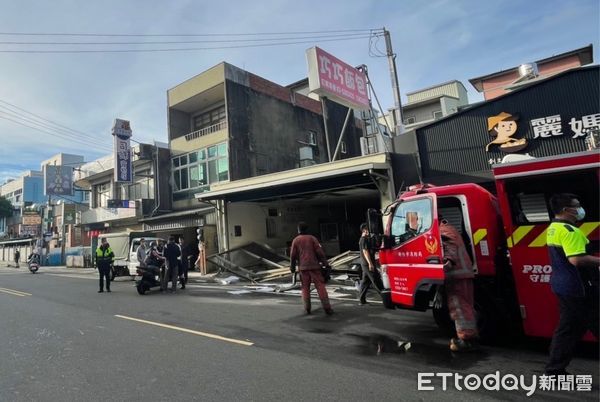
column 209, row 118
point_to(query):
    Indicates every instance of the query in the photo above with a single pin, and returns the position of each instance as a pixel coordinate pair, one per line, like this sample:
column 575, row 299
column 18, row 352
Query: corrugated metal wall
column 450, row 89
column 455, row 146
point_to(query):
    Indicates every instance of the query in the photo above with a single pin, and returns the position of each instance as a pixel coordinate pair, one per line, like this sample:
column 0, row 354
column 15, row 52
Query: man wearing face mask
column 574, row 281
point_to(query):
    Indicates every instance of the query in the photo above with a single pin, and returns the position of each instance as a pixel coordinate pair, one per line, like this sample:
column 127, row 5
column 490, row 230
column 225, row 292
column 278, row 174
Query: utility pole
column 325, row 118
column 398, row 123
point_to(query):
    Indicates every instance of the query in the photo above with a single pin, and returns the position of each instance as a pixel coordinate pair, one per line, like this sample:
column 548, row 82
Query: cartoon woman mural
column 502, row 127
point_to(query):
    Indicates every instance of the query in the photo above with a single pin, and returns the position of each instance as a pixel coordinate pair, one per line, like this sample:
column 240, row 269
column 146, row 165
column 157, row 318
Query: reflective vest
column 104, row 256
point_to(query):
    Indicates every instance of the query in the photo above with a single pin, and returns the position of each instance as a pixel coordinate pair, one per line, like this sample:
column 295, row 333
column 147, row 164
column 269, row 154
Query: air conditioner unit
column 369, row 145
column 306, row 153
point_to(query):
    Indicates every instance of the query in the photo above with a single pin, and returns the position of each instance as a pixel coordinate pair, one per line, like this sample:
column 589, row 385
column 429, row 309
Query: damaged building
column 251, row 158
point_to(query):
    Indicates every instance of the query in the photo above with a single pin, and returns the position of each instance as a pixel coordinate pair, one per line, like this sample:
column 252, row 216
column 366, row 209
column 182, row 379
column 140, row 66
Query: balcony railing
column 206, row 130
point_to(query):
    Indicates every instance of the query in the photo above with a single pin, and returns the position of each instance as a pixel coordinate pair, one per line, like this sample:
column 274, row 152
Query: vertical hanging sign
column 122, row 151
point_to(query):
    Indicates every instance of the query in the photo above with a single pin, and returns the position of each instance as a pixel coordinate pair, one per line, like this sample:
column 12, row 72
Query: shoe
column 363, row 303
column 182, row 287
column 108, row 290
column 307, row 312
column 461, row 345
column 329, row 312
column 101, row 291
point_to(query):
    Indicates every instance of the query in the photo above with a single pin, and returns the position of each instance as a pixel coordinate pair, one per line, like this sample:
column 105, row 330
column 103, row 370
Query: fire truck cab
column 505, row 235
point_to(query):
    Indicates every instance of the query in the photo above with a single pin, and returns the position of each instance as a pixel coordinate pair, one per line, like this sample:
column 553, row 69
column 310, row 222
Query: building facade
column 227, row 125
column 501, row 82
column 116, row 207
column 554, row 116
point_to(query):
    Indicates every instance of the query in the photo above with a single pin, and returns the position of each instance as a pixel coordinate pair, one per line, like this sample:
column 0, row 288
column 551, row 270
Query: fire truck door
column 415, row 259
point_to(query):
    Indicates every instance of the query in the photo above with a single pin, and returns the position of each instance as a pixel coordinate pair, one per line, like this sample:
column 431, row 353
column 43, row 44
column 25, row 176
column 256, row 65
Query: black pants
column 369, row 277
column 183, row 271
column 104, row 271
column 577, row 315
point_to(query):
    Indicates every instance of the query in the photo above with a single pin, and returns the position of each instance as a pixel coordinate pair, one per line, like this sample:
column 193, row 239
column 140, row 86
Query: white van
column 125, row 245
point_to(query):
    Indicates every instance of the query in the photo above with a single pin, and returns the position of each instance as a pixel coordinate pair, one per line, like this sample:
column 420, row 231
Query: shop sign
column 550, row 126
column 330, row 77
column 121, row 131
column 503, row 130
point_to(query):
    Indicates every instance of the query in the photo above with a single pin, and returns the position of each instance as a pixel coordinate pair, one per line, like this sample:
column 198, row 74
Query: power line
column 61, row 129
column 63, row 132
column 45, row 131
column 185, row 35
column 183, row 49
column 184, row 41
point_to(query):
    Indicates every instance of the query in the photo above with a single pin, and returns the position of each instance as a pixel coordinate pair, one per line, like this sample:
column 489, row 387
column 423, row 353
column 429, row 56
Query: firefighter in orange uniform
column 458, row 270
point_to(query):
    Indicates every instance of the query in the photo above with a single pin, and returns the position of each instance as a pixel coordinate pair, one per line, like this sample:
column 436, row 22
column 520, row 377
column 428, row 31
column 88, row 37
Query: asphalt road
column 62, row 341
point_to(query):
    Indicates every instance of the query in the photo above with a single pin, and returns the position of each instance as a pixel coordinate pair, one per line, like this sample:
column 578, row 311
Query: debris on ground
column 229, row 280
column 253, row 262
column 259, row 264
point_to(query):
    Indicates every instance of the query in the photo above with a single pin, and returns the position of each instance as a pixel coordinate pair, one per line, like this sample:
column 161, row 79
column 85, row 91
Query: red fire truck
column 505, row 235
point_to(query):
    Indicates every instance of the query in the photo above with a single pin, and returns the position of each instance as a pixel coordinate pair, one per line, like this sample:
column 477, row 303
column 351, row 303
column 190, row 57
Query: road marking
column 189, row 331
column 14, row 292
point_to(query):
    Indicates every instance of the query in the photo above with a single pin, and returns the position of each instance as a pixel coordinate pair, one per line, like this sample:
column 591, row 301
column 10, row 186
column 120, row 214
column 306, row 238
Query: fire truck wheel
column 487, row 320
column 442, row 319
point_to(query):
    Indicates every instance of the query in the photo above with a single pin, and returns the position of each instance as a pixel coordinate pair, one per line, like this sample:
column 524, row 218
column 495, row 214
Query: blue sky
column 436, row 41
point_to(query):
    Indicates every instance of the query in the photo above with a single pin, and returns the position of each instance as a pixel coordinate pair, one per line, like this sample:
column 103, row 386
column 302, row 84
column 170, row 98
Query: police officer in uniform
column 104, row 259
column 574, row 281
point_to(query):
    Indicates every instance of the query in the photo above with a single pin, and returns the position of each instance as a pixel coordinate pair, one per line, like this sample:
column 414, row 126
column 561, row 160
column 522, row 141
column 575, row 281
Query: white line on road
column 189, row 331
column 14, row 292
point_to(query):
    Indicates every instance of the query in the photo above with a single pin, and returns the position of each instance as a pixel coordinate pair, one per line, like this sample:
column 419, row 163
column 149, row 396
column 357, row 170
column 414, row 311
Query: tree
column 6, row 208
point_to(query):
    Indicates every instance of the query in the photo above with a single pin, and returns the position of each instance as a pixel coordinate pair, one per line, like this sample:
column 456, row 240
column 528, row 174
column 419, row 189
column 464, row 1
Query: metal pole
column 324, row 108
column 49, row 212
column 395, row 87
column 337, row 147
column 63, row 238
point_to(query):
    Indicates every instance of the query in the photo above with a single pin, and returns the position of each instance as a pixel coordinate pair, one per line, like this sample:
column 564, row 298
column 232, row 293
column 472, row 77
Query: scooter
column 33, row 263
column 149, row 278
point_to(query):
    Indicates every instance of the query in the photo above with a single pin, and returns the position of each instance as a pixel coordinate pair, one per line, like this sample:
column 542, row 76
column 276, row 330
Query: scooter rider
column 154, row 260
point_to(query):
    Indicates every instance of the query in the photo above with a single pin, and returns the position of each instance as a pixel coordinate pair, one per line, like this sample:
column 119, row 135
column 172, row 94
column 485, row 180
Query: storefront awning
column 180, row 219
column 177, row 214
column 343, row 174
column 16, row 242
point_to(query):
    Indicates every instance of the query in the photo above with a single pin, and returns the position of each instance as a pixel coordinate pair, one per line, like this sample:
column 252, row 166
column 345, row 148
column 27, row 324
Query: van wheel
column 141, row 288
column 386, row 298
column 113, row 274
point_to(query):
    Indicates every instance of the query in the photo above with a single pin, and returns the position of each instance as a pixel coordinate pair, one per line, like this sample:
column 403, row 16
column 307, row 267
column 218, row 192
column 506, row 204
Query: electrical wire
column 373, row 45
column 186, row 35
column 181, row 49
column 184, row 41
column 64, row 133
column 45, row 131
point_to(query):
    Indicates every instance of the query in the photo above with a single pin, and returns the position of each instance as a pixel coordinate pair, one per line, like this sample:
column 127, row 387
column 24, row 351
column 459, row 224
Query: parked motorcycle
column 149, row 278
column 33, row 263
